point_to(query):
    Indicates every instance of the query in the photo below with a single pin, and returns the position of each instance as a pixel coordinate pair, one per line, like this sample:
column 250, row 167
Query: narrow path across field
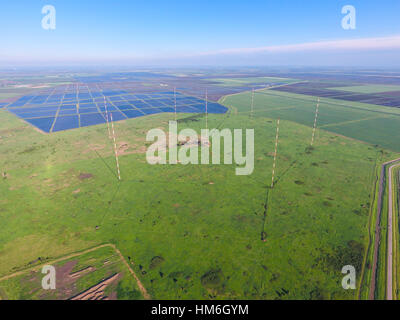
column 378, row 235
column 389, row 287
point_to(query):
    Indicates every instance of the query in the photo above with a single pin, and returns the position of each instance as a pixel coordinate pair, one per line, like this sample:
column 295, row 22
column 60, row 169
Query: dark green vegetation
column 195, row 231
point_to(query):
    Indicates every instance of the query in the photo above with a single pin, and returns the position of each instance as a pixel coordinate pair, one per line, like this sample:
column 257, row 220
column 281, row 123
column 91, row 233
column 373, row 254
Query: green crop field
column 252, row 80
column 194, row 231
column 376, row 88
column 375, row 125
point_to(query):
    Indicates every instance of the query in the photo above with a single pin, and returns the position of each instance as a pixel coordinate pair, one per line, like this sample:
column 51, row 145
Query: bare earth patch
column 97, row 292
column 122, row 147
column 94, row 147
column 82, row 272
column 84, row 176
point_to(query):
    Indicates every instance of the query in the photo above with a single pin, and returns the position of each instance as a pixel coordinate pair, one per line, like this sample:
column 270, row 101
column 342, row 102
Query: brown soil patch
column 84, row 176
column 76, row 191
column 122, row 147
column 97, row 292
column 142, row 149
column 82, row 272
column 64, row 283
column 66, row 279
column 38, row 130
column 187, row 141
column 94, row 147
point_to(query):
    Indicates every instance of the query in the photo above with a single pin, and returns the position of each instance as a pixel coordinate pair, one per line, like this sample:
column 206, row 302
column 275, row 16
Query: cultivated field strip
column 77, row 254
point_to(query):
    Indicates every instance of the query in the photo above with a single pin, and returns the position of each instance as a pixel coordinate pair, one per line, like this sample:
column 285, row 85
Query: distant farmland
column 377, row 125
column 373, row 88
column 253, row 81
column 383, row 95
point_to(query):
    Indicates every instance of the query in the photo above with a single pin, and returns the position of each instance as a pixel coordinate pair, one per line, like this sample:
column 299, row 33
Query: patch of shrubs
column 341, row 256
column 309, row 149
column 127, row 293
column 212, row 279
column 327, row 204
column 156, row 262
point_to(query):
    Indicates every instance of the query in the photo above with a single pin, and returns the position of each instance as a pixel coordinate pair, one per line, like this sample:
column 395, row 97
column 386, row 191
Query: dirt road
column 378, row 236
column 389, row 286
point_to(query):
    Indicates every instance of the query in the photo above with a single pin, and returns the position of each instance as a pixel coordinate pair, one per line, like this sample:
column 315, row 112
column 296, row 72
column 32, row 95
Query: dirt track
column 389, row 286
column 378, row 235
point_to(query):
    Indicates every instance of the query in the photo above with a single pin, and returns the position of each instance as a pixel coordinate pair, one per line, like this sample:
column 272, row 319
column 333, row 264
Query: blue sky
column 200, row 32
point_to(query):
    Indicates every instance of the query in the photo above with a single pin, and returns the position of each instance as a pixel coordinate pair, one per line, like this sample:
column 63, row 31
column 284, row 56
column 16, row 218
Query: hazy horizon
column 183, row 33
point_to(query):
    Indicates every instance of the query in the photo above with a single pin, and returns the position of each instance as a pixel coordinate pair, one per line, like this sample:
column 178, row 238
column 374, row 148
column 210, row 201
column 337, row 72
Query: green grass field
column 194, row 231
